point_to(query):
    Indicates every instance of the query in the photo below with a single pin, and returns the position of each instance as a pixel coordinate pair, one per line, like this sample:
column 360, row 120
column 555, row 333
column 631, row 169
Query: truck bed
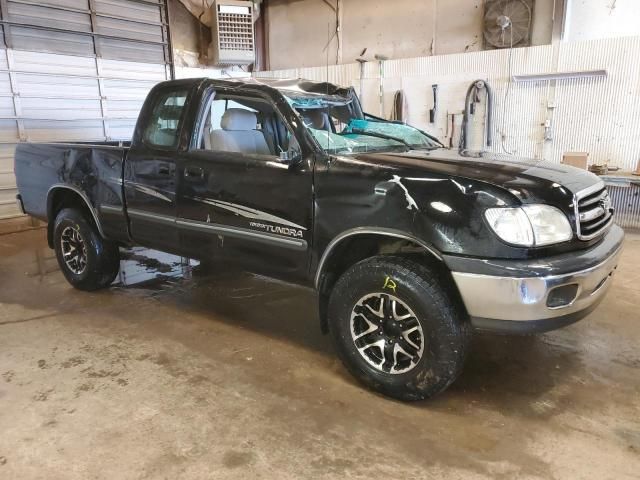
column 46, row 172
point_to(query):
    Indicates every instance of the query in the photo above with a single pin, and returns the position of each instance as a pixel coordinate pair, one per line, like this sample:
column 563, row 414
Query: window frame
column 210, row 96
column 156, row 101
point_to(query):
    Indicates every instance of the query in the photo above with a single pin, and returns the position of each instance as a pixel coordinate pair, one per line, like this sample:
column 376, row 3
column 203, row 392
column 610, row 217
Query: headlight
column 530, row 225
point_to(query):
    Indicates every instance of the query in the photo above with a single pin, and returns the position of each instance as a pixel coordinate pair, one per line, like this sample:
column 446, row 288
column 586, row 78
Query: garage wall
column 396, row 29
column 594, row 19
column 75, row 70
column 596, row 115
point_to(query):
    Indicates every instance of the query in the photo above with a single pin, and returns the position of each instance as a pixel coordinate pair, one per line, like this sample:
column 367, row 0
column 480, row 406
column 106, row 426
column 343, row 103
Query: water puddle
column 150, row 269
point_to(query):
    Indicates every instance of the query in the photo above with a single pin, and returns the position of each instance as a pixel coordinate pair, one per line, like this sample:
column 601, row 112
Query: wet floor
column 179, row 372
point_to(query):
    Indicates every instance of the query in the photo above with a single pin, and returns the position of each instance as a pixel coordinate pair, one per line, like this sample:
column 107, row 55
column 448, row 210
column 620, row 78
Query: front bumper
column 536, row 295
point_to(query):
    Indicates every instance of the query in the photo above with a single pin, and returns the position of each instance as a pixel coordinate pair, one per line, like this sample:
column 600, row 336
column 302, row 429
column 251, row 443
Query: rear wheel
column 396, row 329
column 87, row 261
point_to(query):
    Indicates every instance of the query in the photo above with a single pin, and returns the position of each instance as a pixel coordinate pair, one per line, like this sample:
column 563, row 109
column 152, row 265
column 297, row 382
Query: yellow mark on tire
column 390, row 284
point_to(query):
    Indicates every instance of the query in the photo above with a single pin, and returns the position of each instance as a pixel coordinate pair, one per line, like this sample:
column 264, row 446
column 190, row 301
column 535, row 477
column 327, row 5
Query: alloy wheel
column 387, row 333
column 74, row 250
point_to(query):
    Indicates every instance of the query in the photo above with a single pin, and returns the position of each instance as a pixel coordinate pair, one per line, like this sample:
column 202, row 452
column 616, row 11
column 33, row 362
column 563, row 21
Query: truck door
column 237, row 199
column 150, row 173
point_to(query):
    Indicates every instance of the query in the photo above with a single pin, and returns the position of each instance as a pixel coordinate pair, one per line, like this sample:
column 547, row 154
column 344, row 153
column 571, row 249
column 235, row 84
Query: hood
column 528, row 179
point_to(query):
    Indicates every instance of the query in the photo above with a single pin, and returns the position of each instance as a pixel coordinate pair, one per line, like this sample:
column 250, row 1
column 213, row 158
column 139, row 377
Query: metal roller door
column 75, row 70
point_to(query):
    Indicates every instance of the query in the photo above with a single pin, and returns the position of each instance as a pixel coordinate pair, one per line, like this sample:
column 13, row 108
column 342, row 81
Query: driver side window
column 244, row 125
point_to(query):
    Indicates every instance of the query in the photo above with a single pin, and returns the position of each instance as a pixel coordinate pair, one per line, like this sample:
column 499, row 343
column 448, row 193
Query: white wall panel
column 127, row 89
column 125, row 109
column 32, row 39
column 122, row 129
column 145, row 12
column 43, row 16
column 133, row 70
column 44, row 86
column 50, row 63
column 68, row 130
column 6, row 107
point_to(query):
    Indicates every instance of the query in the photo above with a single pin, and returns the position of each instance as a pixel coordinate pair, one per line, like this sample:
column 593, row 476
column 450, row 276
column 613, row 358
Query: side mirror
column 289, row 156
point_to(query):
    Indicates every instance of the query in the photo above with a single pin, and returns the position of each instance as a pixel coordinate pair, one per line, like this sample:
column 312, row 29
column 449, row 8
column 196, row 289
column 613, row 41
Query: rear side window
column 164, row 123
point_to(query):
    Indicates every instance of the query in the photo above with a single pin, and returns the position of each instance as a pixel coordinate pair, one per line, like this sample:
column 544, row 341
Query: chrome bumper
column 525, row 299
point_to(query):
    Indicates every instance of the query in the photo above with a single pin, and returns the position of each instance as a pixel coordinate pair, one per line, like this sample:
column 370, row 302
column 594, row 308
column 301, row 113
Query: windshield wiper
column 359, row 131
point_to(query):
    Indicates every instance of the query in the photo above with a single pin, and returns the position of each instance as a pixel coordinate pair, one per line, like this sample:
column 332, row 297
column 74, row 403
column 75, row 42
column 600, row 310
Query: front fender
column 381, row 232
column 443, row 212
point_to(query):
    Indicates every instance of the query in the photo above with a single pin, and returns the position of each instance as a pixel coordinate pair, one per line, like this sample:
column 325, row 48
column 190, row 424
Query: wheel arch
column 60, row 196
column 333, row 248
column 357, row 244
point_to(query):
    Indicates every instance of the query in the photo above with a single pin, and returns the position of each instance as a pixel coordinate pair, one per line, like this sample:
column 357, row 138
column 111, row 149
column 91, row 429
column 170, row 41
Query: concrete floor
column 172, row 375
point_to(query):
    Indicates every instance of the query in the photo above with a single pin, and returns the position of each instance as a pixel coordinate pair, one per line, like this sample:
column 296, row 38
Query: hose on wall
column 473, row 93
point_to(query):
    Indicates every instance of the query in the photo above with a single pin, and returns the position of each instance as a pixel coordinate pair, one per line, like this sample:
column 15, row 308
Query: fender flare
column 383, row 232
column 83, row 196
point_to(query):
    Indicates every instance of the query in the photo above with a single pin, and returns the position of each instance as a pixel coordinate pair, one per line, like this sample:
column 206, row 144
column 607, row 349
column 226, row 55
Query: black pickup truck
column 409, row 245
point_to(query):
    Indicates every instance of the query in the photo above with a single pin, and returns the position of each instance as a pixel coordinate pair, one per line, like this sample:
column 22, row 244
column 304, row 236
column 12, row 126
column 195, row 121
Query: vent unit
column 232, row 40
column 507, row 23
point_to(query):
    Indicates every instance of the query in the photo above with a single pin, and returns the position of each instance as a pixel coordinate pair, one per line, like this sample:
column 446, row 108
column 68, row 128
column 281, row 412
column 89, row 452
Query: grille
column 593, row 211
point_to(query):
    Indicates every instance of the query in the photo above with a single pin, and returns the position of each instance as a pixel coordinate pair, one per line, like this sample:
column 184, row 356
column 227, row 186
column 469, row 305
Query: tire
column 101, row 262
column 427, row 324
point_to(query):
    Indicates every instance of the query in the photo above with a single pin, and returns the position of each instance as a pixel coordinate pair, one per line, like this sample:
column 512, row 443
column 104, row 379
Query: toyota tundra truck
column 410, row 246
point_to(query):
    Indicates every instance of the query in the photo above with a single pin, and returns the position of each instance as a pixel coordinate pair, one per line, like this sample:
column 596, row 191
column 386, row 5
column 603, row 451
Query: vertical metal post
column 103, row 101
column 15, row 91
column 361, row 61
column 381, row 59
column 166, row 36
column 97, row 51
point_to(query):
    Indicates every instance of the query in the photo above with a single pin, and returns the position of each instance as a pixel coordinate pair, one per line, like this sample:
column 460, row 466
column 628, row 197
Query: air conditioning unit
column 232, row 40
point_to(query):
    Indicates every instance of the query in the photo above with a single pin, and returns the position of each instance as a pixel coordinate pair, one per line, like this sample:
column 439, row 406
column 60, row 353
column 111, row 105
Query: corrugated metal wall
column 75, row 70
column 625, row 197
column 597, row 115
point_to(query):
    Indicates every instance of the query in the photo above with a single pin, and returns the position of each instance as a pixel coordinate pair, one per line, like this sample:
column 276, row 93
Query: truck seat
column 239, row 133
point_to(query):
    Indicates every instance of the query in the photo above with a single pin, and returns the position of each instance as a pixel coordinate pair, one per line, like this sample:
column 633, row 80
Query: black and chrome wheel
column 74, row 249
column 88, row 261
column 397, row 329
column 387, row 333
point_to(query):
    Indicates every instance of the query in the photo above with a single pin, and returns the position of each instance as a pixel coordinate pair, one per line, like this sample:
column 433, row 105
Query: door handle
column 194, row 172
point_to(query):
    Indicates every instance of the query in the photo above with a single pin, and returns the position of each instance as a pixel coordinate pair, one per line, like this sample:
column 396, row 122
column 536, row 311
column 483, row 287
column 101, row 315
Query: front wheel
column 87, row 261
column 396, row 329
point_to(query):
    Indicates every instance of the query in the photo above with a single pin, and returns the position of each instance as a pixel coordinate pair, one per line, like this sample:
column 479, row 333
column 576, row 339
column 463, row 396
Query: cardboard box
column 576, row 159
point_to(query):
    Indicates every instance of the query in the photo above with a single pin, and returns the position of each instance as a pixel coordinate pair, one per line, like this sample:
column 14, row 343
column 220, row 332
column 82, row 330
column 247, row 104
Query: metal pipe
column 473, row 89
column 361, row 61
column 381, row 59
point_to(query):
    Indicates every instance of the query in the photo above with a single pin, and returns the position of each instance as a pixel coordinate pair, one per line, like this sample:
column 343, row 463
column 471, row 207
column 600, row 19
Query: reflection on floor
column 143, row 267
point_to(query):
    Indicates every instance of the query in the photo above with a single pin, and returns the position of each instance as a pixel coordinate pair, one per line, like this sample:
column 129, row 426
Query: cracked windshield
column 338, row 126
